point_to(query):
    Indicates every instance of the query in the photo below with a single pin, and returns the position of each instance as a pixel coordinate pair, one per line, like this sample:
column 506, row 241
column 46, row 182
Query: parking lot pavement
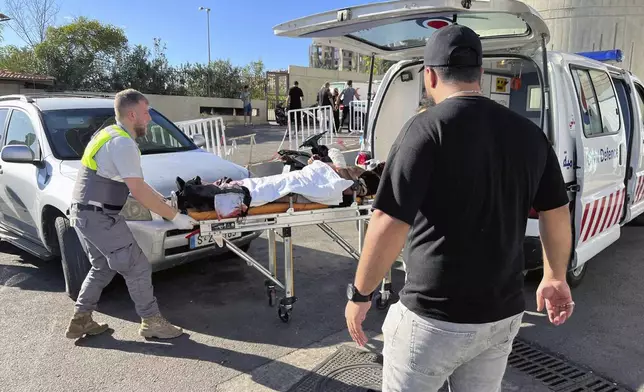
column 235, row 339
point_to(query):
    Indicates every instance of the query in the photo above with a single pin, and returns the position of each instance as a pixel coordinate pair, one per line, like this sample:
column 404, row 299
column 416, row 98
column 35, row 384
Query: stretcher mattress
column 270, row 208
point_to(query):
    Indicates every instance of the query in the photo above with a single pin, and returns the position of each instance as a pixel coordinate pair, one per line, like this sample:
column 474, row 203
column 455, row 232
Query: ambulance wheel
column 73, row 258
column 575, row 276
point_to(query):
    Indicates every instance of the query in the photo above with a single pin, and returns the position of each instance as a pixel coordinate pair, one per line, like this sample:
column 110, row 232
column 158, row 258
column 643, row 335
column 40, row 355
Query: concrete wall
column 312, row 79
column 178, row 108
column 587, row 25
column 7, row 88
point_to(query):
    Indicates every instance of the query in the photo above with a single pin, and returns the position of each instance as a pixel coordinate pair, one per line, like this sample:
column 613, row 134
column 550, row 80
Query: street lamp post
column 208, row 20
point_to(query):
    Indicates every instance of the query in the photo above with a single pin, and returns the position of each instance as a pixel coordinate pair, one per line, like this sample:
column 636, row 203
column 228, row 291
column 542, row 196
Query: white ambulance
column 592, row 112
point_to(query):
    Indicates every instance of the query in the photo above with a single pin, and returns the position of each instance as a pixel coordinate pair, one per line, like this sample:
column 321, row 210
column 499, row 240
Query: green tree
column 17, row 59
column 380, row 66
column 254, row 74
column 80, row 54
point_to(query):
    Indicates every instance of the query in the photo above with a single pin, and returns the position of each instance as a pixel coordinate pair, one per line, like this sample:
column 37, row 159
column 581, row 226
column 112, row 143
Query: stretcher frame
column 285, row 222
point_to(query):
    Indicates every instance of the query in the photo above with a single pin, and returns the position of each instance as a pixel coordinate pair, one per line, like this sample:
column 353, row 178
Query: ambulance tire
column 575, row 276
column 73, row 258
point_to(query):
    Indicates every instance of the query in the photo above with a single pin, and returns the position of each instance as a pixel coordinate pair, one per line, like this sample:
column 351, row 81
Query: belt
column 85, row 207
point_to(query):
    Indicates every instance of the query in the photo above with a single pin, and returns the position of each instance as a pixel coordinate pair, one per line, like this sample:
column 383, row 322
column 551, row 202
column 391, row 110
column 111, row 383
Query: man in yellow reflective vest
column 110, row 171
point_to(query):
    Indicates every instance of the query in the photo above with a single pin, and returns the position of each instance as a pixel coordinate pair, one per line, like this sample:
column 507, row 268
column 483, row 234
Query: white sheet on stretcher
column 317, row 182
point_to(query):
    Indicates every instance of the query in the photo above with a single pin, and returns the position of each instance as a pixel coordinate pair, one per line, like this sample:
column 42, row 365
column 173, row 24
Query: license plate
column 201, row 240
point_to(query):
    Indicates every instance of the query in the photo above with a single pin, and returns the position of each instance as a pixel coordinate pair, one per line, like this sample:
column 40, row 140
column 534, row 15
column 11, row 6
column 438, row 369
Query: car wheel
column 575, row 276
column 73, row 258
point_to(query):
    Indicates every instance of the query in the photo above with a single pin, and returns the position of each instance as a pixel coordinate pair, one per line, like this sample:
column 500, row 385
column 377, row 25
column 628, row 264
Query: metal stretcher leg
column 341, row 241
column 286, row 303
column 271, row 292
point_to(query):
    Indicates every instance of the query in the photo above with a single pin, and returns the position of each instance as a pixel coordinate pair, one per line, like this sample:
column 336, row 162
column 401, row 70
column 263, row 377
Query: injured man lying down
column 318, row 185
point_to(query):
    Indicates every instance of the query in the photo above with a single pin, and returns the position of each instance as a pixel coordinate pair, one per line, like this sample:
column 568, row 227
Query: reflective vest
column 92, row 189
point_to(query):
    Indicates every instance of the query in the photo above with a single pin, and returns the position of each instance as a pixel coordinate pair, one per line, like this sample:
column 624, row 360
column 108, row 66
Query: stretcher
column 280, row 219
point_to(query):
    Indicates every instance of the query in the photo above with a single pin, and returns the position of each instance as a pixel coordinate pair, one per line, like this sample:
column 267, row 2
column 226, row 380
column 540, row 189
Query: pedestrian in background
column 348, row 95
column 248, row 108
column 336, row 110
column 294, row 101
column 457, row 189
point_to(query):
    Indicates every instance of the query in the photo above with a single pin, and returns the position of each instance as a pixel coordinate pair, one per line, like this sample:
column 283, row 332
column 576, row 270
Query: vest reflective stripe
column 98, row 141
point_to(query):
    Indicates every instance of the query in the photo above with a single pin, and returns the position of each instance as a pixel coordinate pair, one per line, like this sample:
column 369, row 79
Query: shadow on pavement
column 32, row 274
column 186, row 348
column 227, row 299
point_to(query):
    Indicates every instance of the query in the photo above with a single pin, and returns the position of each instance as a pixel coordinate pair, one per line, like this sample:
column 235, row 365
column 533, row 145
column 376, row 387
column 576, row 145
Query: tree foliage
column 88, row 55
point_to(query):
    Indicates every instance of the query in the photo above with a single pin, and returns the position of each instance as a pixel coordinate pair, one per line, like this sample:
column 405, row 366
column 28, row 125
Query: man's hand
column 355, row 313
column 184, row 222
column 555, row 295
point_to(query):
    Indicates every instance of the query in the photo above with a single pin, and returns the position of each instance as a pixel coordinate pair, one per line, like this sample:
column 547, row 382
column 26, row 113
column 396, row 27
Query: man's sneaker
column 82, row 324
column 158, row 327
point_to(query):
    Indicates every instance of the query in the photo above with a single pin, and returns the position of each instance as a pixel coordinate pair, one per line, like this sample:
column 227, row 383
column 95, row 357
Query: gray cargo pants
column 420, row 353
column 112, row 248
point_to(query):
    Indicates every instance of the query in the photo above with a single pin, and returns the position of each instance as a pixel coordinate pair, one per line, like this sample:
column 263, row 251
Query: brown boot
column 158, row 327
column 82, row 324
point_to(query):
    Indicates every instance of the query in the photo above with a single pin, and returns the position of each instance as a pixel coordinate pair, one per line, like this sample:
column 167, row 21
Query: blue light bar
column 604, row 55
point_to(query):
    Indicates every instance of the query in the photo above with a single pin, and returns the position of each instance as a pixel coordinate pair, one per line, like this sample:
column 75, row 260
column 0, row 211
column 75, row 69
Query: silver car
column 43, row 138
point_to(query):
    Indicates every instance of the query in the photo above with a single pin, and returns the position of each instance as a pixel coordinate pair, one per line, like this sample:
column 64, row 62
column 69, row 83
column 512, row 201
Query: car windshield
column 70, row 130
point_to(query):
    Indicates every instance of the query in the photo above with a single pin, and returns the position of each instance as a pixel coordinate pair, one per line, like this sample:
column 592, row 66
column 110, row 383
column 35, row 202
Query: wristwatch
column 354, row 295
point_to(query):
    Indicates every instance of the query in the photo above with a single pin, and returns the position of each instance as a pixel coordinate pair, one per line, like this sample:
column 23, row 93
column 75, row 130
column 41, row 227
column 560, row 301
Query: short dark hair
column 458, row 74
column 350, row 82
column 246, row 86
column 296, row 83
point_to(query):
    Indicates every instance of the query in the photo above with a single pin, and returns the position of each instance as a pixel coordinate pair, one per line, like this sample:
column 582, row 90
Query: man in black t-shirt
column 295, row 95
column 457, row 187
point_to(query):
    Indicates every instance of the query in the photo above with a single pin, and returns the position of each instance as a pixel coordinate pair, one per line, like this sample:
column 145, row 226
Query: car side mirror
column 199, row 140
column 17, row 153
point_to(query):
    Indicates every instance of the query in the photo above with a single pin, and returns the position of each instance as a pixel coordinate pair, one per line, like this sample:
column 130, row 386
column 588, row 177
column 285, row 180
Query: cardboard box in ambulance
column 592, row 112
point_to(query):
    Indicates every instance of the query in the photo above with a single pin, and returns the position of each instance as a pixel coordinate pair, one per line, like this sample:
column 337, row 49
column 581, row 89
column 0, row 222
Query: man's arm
column 125, row 155
column 556, row 237
column 551, row 200
column 383, row 243
column 149, row 198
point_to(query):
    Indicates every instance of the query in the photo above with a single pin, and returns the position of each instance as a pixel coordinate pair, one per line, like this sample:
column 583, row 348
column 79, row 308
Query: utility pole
column 208, row 21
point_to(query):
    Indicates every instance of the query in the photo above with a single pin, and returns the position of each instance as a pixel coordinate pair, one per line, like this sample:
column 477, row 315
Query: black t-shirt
column 464, row 174
column 296, row 94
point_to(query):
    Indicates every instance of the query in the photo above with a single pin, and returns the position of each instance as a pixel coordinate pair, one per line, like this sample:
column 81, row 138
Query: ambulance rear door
column 601, row 159
column 635, row 175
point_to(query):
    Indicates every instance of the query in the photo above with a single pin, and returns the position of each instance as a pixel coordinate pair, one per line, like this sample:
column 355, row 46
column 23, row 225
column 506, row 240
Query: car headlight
column 134, row 211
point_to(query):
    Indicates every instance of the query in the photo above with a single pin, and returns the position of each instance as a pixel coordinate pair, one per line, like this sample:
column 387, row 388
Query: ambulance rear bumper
column 533, row 253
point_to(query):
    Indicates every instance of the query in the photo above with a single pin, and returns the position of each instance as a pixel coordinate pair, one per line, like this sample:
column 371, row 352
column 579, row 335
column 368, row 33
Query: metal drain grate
column 557, row 374
column 347, row 370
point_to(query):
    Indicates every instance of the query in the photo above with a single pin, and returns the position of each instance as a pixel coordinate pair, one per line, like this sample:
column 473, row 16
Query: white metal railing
column 306, row 122
column 358, row 115
column 213, row 130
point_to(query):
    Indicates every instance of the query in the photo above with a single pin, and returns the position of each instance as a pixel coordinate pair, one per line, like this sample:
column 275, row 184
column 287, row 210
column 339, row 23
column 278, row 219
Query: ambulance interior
column 511, row 81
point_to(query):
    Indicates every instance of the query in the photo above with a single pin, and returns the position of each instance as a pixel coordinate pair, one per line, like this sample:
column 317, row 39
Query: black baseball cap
column 454, row 46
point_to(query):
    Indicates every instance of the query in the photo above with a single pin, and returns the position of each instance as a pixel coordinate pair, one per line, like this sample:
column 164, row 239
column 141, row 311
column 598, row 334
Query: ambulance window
column 608, row 106
column 588, row 101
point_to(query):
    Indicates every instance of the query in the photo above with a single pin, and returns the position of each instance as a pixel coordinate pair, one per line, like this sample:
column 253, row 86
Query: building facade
column 328, row 57
column 592, row 25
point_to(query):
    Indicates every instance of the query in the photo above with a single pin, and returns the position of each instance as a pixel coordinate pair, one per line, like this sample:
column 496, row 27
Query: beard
column 140, row 130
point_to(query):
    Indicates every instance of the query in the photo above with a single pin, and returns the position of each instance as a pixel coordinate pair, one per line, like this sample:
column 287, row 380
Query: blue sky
column 239, row 30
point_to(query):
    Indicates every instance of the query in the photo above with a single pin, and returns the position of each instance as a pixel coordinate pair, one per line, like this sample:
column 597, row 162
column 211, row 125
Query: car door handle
column 0, row 169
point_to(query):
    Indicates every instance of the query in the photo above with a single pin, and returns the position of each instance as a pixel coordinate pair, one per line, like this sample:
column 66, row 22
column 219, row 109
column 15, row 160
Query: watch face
column 350, row 291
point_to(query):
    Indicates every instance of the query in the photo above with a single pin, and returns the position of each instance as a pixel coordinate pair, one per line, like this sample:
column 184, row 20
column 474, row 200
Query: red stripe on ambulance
column 606, row 212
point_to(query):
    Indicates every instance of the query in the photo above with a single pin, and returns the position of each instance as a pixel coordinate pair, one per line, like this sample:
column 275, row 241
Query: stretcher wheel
column 284, row 314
